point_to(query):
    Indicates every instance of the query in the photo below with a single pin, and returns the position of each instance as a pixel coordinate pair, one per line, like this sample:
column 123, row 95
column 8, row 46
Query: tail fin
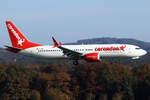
column 17, row 38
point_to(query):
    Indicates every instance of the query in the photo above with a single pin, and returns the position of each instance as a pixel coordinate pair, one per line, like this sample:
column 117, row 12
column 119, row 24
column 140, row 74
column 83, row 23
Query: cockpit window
column 137, row 48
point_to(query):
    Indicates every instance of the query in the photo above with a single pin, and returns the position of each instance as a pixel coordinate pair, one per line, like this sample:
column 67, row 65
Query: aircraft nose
column 144, row 52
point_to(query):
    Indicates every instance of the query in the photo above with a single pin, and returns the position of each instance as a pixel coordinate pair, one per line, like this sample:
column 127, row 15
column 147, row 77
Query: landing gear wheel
column 75, row 62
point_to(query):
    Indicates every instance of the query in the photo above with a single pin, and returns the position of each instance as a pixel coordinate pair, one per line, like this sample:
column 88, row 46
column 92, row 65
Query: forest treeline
column 91, row 81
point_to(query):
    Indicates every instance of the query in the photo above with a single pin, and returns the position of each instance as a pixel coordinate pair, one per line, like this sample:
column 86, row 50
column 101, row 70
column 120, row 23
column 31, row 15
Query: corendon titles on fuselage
column 110, row 48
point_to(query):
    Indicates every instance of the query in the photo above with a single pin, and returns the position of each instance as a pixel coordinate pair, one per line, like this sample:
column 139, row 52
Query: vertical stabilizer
column 18, row 40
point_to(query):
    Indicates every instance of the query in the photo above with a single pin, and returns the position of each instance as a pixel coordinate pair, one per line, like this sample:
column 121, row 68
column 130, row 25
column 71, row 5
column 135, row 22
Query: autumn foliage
column 91, row 81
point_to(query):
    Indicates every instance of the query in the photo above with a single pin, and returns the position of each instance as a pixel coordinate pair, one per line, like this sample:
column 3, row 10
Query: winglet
column 55, row 42
column 60, row 43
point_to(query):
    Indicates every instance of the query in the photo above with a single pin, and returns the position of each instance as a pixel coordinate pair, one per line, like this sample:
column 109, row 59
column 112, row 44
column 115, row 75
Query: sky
column 71, row 20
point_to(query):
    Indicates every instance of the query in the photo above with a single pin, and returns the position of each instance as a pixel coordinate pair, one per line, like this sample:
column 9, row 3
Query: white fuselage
column 104, row 50
column 20, row 44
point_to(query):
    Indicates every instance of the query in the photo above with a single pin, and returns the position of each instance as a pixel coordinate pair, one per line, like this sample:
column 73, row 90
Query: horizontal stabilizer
column 13, row 49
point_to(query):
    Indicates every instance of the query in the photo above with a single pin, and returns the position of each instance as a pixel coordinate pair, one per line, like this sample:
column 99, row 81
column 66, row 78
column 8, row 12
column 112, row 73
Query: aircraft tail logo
column 18, row 40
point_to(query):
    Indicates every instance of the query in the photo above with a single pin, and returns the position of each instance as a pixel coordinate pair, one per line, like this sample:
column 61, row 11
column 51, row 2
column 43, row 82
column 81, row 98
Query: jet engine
column 92, row 57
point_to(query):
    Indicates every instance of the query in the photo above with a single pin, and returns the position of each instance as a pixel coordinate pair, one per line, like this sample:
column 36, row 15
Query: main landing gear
column 75, row 62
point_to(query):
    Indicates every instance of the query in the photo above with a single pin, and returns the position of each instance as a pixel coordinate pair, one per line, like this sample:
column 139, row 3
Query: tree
column 35, row 95
column 56, row 94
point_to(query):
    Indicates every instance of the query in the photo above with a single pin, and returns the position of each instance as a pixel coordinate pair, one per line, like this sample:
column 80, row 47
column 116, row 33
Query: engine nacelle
column 92, row 57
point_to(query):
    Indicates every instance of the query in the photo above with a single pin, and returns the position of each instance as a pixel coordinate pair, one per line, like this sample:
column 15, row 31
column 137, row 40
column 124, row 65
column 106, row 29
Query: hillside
column 92, row 81
column 142, row 44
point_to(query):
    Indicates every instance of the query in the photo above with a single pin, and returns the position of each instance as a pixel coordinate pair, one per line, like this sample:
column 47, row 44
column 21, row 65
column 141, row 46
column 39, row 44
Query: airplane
column 89, row 53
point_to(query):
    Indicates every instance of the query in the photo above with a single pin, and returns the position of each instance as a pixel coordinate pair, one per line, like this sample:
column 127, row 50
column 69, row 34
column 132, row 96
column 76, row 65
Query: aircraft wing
column 70, row 53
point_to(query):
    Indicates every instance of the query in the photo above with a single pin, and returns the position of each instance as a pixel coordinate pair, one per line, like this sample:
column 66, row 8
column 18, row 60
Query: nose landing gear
column 75, row 62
